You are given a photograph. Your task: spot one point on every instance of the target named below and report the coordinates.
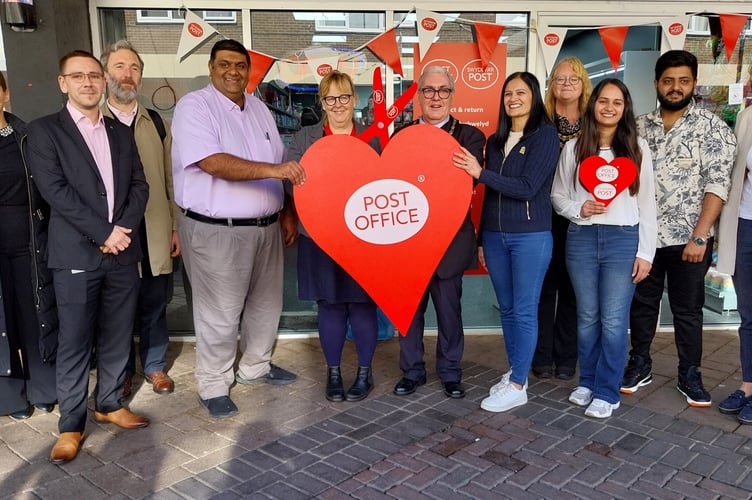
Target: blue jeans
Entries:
(743, 286)
(517, 264)
(600, 260)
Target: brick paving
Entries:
(288, 442)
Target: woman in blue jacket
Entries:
(515, 229)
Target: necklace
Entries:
(6, 130)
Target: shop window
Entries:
(178, 15)
(366, 22)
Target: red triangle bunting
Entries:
(260, 64)
(487, 38)
(731, 27)
(385, 48)
(613, 39)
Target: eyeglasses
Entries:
(79, 77)
(430, 92)
(330, 100)
(572, 80)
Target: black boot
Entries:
(335, 391)
(362, 385)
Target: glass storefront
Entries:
(289, 88)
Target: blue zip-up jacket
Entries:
(518, 196)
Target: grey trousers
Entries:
(236, 274)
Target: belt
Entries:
(227, 221)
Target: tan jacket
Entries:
(730, 215)
(161, 211)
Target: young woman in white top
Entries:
(609, 248)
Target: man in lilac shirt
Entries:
(87, 168)
(228, 172)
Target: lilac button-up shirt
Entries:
(95, 136)
(206, 123)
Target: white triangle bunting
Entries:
(195, 32)
(429, 24)
(675, 31)
(322, 66)
(550, 41)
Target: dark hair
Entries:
(625, 140)
(3, 83)
(78, 53)
(232, 46)
(537, 115)
(674, 59)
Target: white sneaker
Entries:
(501, 383)
(504, 399)
(601, 409)
(581, 396)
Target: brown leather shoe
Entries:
(66, 447)
(160, 382)
(128, 386)
(122, 418)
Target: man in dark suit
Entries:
(88, 169)
(435, 94)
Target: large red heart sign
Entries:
(387, 220)
(605, 180)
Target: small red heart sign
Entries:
(605, 180)
(387, 220)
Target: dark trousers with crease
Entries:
(101, 301)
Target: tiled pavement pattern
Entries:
(288, 442)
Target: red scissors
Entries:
(383, 117)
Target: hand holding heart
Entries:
(590, 208)
(605, 180)
(465, 160)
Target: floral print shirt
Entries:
(693, 158)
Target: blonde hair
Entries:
(587, 88)
(341, 80)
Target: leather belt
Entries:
(227, 221)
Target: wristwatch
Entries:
(699, 241)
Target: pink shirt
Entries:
(206, 123)
(125, 117)
(95, 136)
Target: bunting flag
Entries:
(260, 64)
(487, 37)
(731, 27)
(551, 40)
(429, 24)
(322, 66)
(675, 31)
(385, 48)
(613, 39)
(195, 32)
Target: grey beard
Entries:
(121, 95)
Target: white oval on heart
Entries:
(386, 211)
(607, 173)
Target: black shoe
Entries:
(454, 389)
(335, 391)
(22, 414)
(564, 373)
(690, 385)
(638, 373)
(408, 386)
(219, 407)
(542, 371)
(45, 407)
(362, 385)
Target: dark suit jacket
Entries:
(66, 175)
(462, 253)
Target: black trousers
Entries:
(30, 380)
(446, 295)
(557, 308)
(102, 301)
(685, 283)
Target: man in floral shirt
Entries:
(693, 153)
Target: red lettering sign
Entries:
(676, 29)
(551, 39)
(196, 30)
(324, 69)
(429, 24)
